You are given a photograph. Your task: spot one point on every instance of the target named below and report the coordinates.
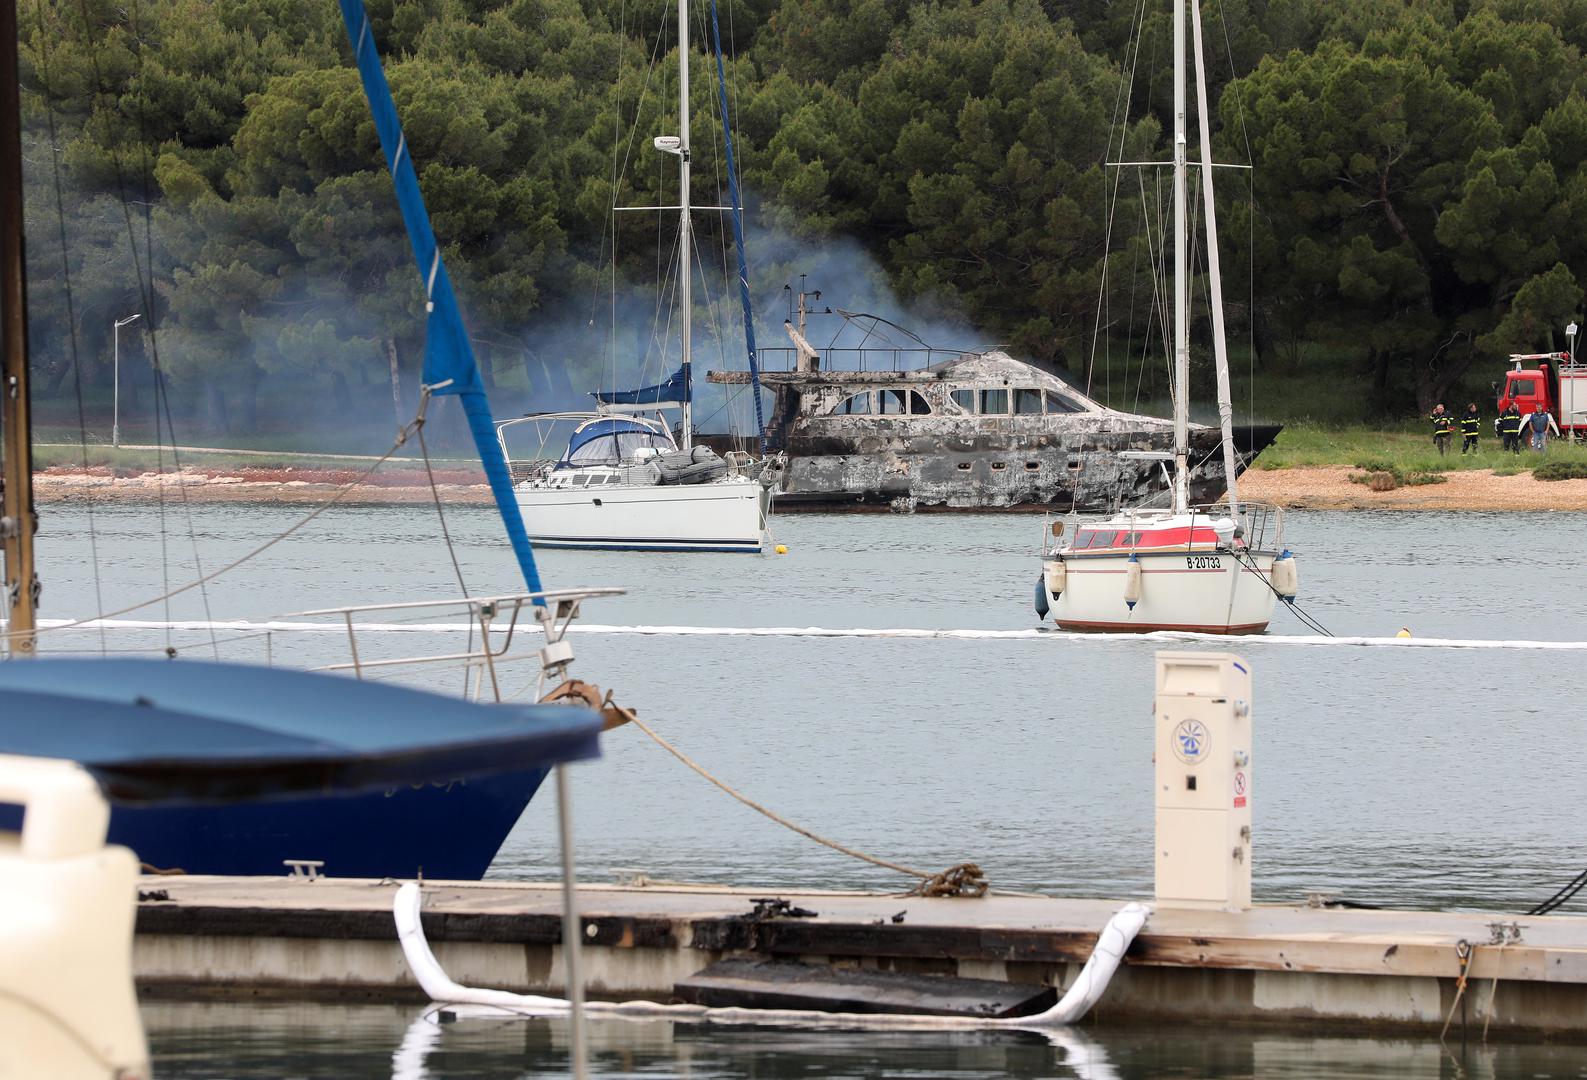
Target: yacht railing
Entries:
(497, 620)
(860, 359)
(531, 469)
(1261, 524)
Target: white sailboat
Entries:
(1211, 570)
(623, 482)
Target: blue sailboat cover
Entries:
(673, 389)
(449, 366)
(154, 731)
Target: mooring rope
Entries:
(964, 879)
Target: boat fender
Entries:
(1055, 572)
(1132, 582)
(1041, 599)
(1286, 578)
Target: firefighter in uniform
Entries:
(1510, 428)
(1443, 428)
(1468, 429)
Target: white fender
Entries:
(68, 1010)
(1132, 582)
(1055, 572)
(1286, 576)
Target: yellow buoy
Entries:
(1405, 631)
(781, 549)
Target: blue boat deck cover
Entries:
(163, 731)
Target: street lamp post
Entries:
(115, 420)
(1570, 339)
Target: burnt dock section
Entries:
(1322, 967)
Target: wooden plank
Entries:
(783, 984)
(802, 937)
(376, 924)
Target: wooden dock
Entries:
(1298, 966)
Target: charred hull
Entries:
(1053, 471)
(981, 431)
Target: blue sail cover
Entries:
(157, 731)
(671, 390)
(738, 234)
(449, 366)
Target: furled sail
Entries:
(449, 366)
(671, 390)
(738, 234)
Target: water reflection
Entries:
(210, 1041)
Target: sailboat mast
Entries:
(1181, 278)
(1220, 343)
(685, 227)
(17, 519)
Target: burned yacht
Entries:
(964, 430)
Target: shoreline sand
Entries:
(1292, 488)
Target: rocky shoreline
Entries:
(1293, 488)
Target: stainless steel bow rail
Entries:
(496, 618)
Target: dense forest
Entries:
(1416, 206)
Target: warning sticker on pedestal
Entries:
(1239, 790)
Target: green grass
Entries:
(1404, 451)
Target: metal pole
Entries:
(18, 521)
(685, 232)
(1220, 346)
(115, 421)
(572, 933)
(1181, 278)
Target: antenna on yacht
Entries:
(809, 358)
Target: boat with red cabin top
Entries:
(1214, 570)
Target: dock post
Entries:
(1202, 714)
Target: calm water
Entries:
(268, 1041)
(1421, 777)
(1418, 777)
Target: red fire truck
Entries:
(1554, 381)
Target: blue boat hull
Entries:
(448, 831)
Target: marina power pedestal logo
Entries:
(1191, 741)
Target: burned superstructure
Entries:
(964, 430)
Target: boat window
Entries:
(616, 448)
(1027, 401)
(892, 402)
(857, 405)
(917, 404)
(1132, 540)
(1060, 403)
(965, 399)
(994, 402)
